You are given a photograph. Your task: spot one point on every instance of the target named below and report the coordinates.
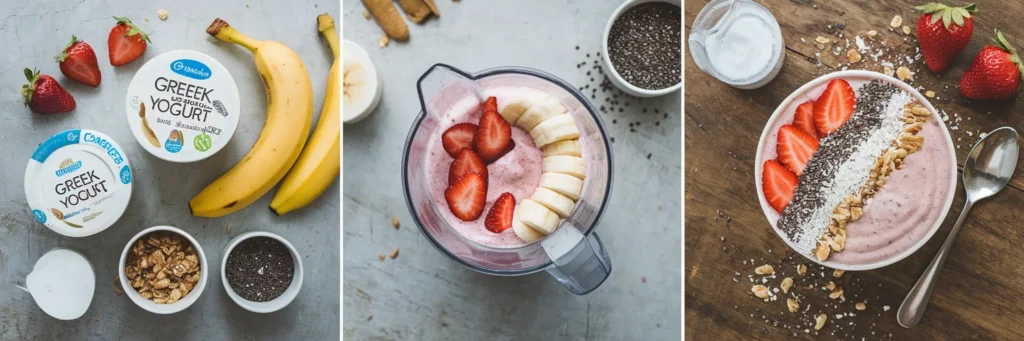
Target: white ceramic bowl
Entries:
(184, 302)
(272, 305)
(784, 113)
(614, 76)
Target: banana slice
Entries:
(563, 184)
(564, 147)
(558, 128)
(361, 89)
(540, 111)
(526, 233)
(565, 164)
(524, 99)
(537, 217)
(555, 202)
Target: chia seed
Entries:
(260, 269)
(644, 45)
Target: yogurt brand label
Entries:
(183, 106)
(78, 182)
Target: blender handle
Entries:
(584, 268)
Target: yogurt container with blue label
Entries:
(182, 106)
(78, 182)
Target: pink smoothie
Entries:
(909, 206)
(518, 172)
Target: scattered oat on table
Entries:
(394, 254)
(819, 321)
(904, 74)
(764, 270)
(860, 306)
(896, 21)
(792, 304)
(906, 29)
(930, 94)
(853, 55)
(382, 257)
(384, 41)
(162, 14)
(760, 291)
(117, 286)
(838, 273)
(366, 15)
(395, 223)
(786, 284)
(801, 269)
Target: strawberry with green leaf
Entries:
(44, 95)
(995, 73)
(126, 42)
(78, 61)
(943, 31)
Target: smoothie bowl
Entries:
(507, 171)
(855, 170)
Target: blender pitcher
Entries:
(573, 254)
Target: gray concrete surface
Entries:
(31, 33)
(423, 295)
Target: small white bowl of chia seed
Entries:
(261, 271)
(642, 47)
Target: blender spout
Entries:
(581, 266)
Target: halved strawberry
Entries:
(466, 162)
(795, 147)
(499, 218)
(466, 198)
(508, 149)
(458, 137)
(804, 118)
(491, 104)
(778, 185)
(492, 136)
(834, 107)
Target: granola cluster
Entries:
(852, 207)
(162, 267)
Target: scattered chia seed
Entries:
(613, 140)
(644, 45)
(260, 269)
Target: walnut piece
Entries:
(760, 291)
(786, 284)
(764, 270)
(792, 304)
(819, 321)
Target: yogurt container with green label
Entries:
(78, 182)
(182, 106)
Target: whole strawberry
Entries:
(995, 73)
(44, 95)
(78, 61)
(941, 40)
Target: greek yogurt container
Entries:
(78, 182)
(182, 106)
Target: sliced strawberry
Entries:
(795, 147)
(508, 149)
(491, 104)
(466, 198)
(458, 137)
(492, 137)
(834, 107)
(466, 162)
(778, 185)
(126, 42)
(499, 218)
(804, 118)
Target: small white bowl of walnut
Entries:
(163, 270)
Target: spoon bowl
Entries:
(990, 164)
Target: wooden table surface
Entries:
(979, 294)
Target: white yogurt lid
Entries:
(182, 106)
(62, 283)
(78, 182)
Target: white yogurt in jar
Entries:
(78, 182)
(182, 106)
(738, 42)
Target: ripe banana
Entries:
(320, 162)
(289, 116)
(536, 216)
(566, 147)
(523, 100)
(540, 111)
(565, 164)
(558, 128)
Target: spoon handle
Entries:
(913, 306)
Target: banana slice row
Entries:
(554, 131)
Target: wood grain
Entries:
(978, 295)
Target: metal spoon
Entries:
(987, 170)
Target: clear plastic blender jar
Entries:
(573, 254)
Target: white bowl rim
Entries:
(616, 78)
(175, 307)
(758, 165)
(278, 303)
